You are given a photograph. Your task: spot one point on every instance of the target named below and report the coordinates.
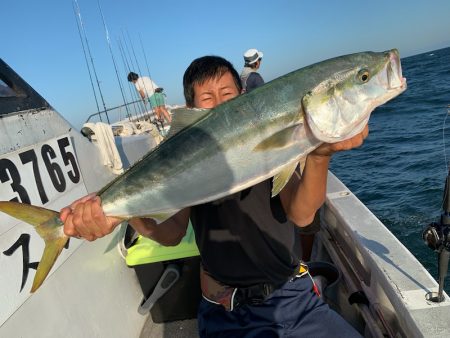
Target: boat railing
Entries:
(132, 111)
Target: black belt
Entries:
(230, 297)
(254, 295)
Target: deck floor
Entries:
(176, 329)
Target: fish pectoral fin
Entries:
(183, 117)
(281, 179)
(280, 139)
(51, 252)
(302, 164)
(118, 236)
(160, 217)
(48, 226)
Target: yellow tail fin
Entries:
(48, 226)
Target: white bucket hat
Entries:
(252, 55)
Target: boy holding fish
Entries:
(252, 280)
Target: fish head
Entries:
(339, 106)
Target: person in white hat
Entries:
(250, 78)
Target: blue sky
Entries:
(41, 42)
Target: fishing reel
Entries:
(437, 236)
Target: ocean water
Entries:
(399, 173)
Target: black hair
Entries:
(203, 69)
(132, 77)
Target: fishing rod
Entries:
(127, 69)
(152, 88)
(437, 236)
(86, 60)
(127, 48)
(91, 59)
(113, 59)
(148, 71)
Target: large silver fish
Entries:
(244, 141)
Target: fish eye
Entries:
(364, 75)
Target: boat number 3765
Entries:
(38, 172)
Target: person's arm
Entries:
(142, 94)
(302, 197)
(168, 233)
(139, 87)
(85, 218)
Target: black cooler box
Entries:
(169, 277)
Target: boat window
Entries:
(5, 90)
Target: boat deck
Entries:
(176, 329)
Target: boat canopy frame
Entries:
(15, 94)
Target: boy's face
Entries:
(215, 91)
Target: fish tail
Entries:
(51, 252)
(49, 226)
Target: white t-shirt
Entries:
(145, 84)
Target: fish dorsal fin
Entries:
(280, 139)
(184, 117)
(281, 179)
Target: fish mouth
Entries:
(395, 78)
(392, 79)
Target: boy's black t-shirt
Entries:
(245, 238)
